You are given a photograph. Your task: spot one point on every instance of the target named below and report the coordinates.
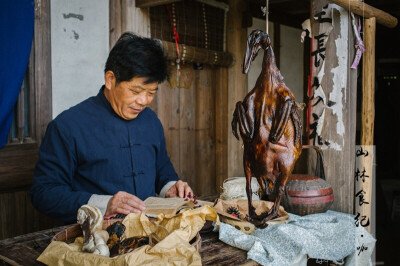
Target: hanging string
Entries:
(176, 37)
(266, 15)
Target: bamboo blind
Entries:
(201, 30)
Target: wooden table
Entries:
(25, 249)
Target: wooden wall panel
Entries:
(168, 112)
(135, 19)
(18, 216)
(205, 135)
(187, 129)
(17, 162)
(187, 112)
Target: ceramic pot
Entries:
(308, 194)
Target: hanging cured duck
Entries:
(270, 127)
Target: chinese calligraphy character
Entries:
(361, 152)
(361, 249)
(360, 194)
(363, 218)
(331, 103)
(314, 135)
(315, 85)
(320, 51)
(360, 175)
(318, 17)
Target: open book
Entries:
(168, 206)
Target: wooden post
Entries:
(367, 120)
(334, 118)
(43, 99)
(115, 21)
(237, 82)
(368, 83)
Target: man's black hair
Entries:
(134, 56)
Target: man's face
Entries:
(129, 98)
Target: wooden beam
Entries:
(368, 84)
(150, 3)
(43, 99)
(236, 37)
(367, 11)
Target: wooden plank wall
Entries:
(135, 19)
(18, 216)
(187, 112)
(339, 161)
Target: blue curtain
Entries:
(16, 33)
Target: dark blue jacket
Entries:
(89, 149)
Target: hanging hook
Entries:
(265, 11)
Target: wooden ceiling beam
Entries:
(151, 3)
(367, 11)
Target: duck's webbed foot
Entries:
(258, 220)
(272, 214)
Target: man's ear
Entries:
(109, 80)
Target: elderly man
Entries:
(109, 150)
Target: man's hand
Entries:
(125, 203)
(180, 189)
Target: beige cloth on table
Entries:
(174, 249)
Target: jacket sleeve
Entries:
(51, 191)
(165, 169)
